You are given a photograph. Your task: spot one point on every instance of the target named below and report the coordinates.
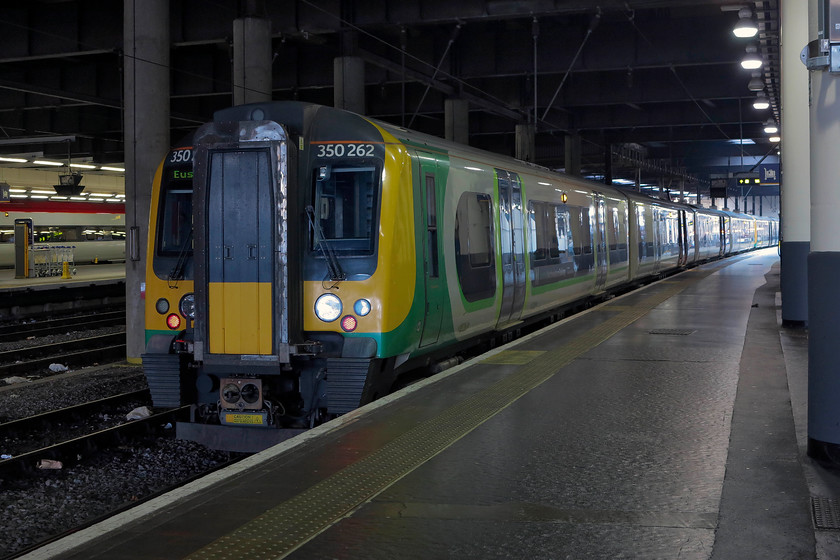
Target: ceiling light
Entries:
(36, 191)
(752, 61)
(761, 102)
(746, 27)
(83, 166)
(775, 139)
(14, 159)
(756, 82)
(45, 162)
(770, 127)
(118, 169)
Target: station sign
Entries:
(768, 173)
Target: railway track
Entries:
(81, 459)
(26, 434)
(21, 331)
(71, 353)
(71, 451)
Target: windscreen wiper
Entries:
(333, 267)
(177, 272)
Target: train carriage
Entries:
(301, 258)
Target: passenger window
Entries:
(474, 247)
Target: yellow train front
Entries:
(281, 274)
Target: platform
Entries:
(85, 274)
(657, 425)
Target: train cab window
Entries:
(174, 235)
(474, 247)
(345, 206)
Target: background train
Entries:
(95, 230)
(301, 258)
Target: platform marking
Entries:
(513, 357)
(288, 526)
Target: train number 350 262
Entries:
(345, 150)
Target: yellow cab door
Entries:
(240, 265)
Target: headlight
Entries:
(187, 306)
(162, 306)
(361, 307)
(328, 307)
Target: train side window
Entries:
(565, 240)
(543, 239)
(474, 246)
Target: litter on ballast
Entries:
(139, 413)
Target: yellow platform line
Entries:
(286, 527)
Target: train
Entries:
(94, 230)
(302, 259)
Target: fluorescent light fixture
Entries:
(752, 61)
(96, 199)
(105, 195)
(45, 162)
(58, 198)
(742, 141)
(775, 138)
(37, 191)
(761, 102)
(82, 166)
(17, 190)
(770, 127)
(746, 27)
(18, 196)
(113, 200)
(108, 168)
(77, 198)
(14, 159)
(39, 196)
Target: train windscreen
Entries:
(345, 207)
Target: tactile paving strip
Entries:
(286, 527)
(673, 332)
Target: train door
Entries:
(431, 262)
(512, 246)
(601, 256)
(240, 258)
(683, 238)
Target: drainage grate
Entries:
(826, 513)
(673, 332)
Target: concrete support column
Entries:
(146, 63)
(457, 120)
(526, 143)
(251, 60)
(349, 78)
(823, 267)
(572, 161)
(796, 166)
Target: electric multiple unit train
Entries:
(302, 258)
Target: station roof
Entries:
(656, 82)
